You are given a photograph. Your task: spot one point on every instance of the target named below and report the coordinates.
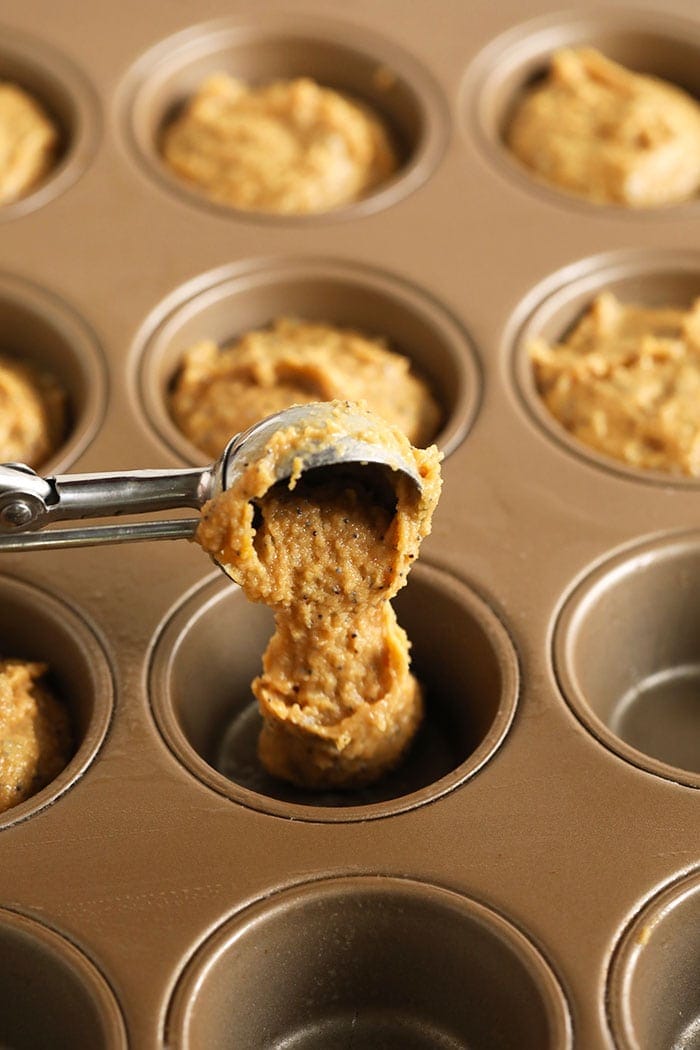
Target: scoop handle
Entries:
(29, 501)
(129, 492)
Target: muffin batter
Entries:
(326, 551)
(598, 130)
(220, 392)
(28, 142)
(35, 740)
(626, 381)
(32, 413)
(290, 147)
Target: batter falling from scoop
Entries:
(327, 551)
(318, 512)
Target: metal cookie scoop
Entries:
(29, 502)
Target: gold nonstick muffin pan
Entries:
(529, 877)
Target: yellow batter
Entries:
(598, 130)
(290, 147)
(220, 392)
(326, 552)
(32, 413)
(626, 381)
(28, 142)
(35, 743)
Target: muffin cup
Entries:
(554, 306)
(39, 329)
(654, 43)
(51, 994)
(276, 47)
(211, 649)
(69, 102)
(35, 625)
(627, 655)
(653, 992)
(228, 303)
(372, 962)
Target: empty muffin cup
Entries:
(68, 101)
(36, 626)
(368, 962)
(348, 59)
(654, 987)
(554, 307)
(211, 649)
(627, 655)
(228, 303)
(51, 994)
(41, 331)
(644, 41)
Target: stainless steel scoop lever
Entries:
(29, 502)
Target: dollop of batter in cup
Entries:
(35, 738)
(327, 550)
(28, 143)
(597, 130)
(290, 147)
(32, 413)
(626, 382)
(220, 392)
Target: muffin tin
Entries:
(529, 878)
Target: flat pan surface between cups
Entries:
(140, 861)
